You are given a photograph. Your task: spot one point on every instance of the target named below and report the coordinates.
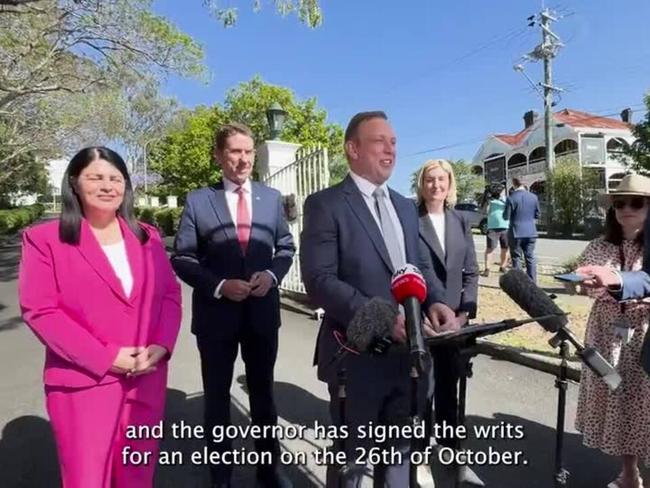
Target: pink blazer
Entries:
(74, 302)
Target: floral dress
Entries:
(616, 422)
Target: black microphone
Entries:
(410, 290)
(370, 329)
(532, 299)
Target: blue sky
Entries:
(442, 70)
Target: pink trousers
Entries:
(89, 427)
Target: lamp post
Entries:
(144, 158)
(275, 115)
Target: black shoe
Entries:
(221, 484)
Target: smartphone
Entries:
(571, 278)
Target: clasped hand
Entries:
(439, 318)
(136, 361)
(239, 290)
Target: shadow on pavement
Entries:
(587, 467)
(9, 258)
(295, 404)
(11, 323)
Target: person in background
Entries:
(97, 289)
(497, 230)
(617, 422)
(446, 237)
(522, 210)
(234, 247)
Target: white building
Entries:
(595, 141)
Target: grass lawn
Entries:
(495, 305)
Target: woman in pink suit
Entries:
(97, 289)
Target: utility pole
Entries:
(545, 52)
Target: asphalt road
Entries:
(548, 251)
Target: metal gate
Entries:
(309, 173)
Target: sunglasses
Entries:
(635, 203)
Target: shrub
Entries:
(16, 218)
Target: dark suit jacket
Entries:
(458, 268)
(206, 250)
(522, 209)
(344, 260)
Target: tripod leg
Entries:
(415, 420)
(561, 383)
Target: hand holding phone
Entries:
(571, 277)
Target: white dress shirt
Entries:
(116, 254)
(438, 221)
(367, 188)
(232, 200)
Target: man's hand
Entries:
(236, 290)
(261, 282)
(442, 318)
(599, 277)
(125, 359)
(147, 359)
(461, 319)
(399, 331)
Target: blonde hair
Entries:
(443, 164)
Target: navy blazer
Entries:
(522, 209)
(206, 251)
(457, 268)
(344, 260)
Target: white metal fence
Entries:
(309, 173)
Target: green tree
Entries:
(184, 158)
(468, 183)
(572, 194)
(640, 150)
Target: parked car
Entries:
(475, 216)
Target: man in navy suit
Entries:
(522, 209)
(234, 247)
(355, 234)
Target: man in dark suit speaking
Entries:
(355, 234)
(234, 247)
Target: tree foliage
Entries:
(640, 150)
(572, 195)
(184, 158)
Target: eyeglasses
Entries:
(635, 203)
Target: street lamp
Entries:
(146, 184)
(275, 116)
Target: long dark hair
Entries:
(614, 230)
(71, 211)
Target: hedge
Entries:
(165, 219)
(14, 219)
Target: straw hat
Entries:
(632, 185)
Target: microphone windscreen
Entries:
(374, 320)
(532, 299)
(407, 281)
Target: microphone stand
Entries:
(342, 396)
(593, 360)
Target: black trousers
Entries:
(259, 350)
(446, 375)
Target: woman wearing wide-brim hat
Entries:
(617, 422)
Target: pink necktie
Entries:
(243, 220)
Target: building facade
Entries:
(594, 141)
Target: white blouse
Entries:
(438, 221)
(116, 254)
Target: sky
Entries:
(442, 70)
